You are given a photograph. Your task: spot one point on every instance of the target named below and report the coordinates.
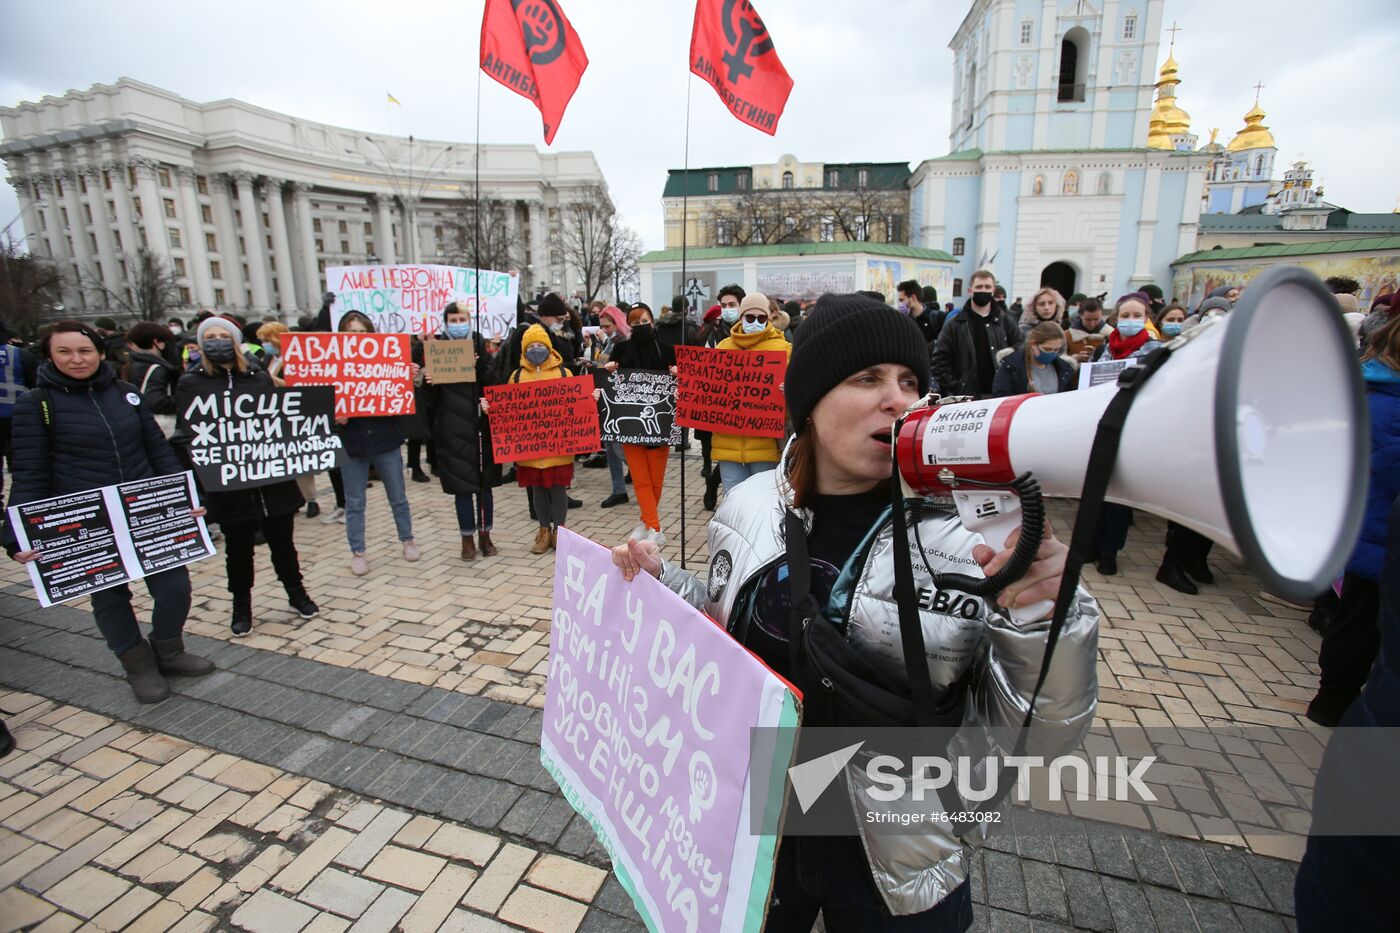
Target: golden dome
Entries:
(1255, 134)
(1167, 118)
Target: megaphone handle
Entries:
(995, 514)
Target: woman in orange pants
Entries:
(641, 350)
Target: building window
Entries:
(145, 243)
(164, 178)
(892, 232)
(345, 246)
(111, 208)
(724, 233)
(1038, 186)
(58, 186)
(265, 221)
(184, 295)
(210, 243)
(92, 240)
(320, 246)
(1071, 183)
(131, 176)
(169, 205)
(201, 184)
(216, 271)
(117, 235)
(1074, 61)
(206, 213)
(87, 213)
(316, 224)
(1130, 26)
(369, 229)
(790, 225)
(861, 229)
(174, 237)
(1105, 183)
(43, 221)
(833, 179)
(957, 288)
(63, 215)
(712, 182)
(106, 180)
(1027, 31)
(741, 181)
(826, 229)
(787, 179)
(218, 296)
(959, 246)
(345, 229)
(179, 266)
(269, 241)
(369, 248)
(862, 177)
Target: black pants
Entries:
(238, 556)
(1350, 644)
(338, 484)
(706, 437)
(415, 454)
(1186, 548)
(1112, 531)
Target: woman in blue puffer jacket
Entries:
(93, 432)
(1349, 645)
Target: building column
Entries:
(195, 248)
(102, 222)
(281, 247)
(539, 254)
(152, 211)
(90, 294)
(1147, 227)
(252, 242)
(53, 229)
(229, 253)
(28, 210)
(128, 241)
(413, 248)
(306, 241)
(384, 229)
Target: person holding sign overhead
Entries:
(82, 429)
(547, 478)
(242, 513)
(373, 442)
(856, 367)
(642, 350)
(739, 456)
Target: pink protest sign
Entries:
(648, 712)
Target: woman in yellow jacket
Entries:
(547, 478)
(739, 456)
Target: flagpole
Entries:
(685, 308)
(476, 159)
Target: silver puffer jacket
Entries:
(915, 872)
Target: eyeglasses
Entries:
(756, 318)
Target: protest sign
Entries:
(1104, 371)
(372, 373)
(731, 391)
(553, 418)
(638, 406)
(450, 361)
(255, 437)
(101, 538)
(647, 719)
(409, 298)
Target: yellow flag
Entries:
(392, 98)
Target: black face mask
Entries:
(219, 350)
(643, 332)
(981, 299)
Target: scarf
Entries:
(1121, 347)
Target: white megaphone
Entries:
(1231, 437)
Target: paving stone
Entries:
(126, 909)
(1234, 874)
(87, 891)
(1045, 892)
(1276, 878)
(438, 901)
(385, 913)
(501, 875)
(269, 912)
(1127, 904)
(1087, 904)
(20, 909)
(1111, 855)
(341, 893)
(404, 867)
(565, 876)
(539, 910)
(1170, 910)
(1005, 887)
(1193, 869)
(1213, 916)
(463, 844)
(597, 921)
(371, 839)
(313, 858)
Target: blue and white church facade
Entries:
(1051, 179)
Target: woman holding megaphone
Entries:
(826, 512)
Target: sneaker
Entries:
(418, 476)
(358, 565)
(313, 508)
(410, 551)
(336, 514)
(655, 536)
(301, 602)
(638, 532)
(617, 498)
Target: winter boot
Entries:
(143, 674)
(488, 549)
(553, 537)
(418, 476)
(7, 741)
(173, 659)
(468, 547)
(1171, 575)
(242, 621)
(1200, 570)
(301, 602)
(541, 545)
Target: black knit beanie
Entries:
(551, 305)
(840, 336)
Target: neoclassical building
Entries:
(249, 206)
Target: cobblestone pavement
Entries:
(408, 714)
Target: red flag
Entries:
(531, 48)
(730, 48)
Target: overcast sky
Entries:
(872, 79)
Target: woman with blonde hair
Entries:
(1038, 366)
(1046, 305)
(242, 513)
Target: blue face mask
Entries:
(1046, 357)
(755, 327)
(1130, 328)
(1171, 328)
(271, 349)
(458, 331)
(729, 315)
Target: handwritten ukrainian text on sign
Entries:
(258, 437)
(731, 391)
(409, 298)
(638, 406)
(551, 418)
(648, 711)
(101, 538)
(450, 361)
(372, 373)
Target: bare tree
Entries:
(499, 246)
(30, 288)
(153, 290)
(758, 218)
(626, 274)
(860, 212)
(588, 231)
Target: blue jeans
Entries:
(466, 511)
(732, 474)
(617, 467)
(170, 590)
(389, 466)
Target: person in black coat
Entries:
(466, 467)
(92, 432)
(242, 513)
(964, 357)
(1039, 366)
(150, 369)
